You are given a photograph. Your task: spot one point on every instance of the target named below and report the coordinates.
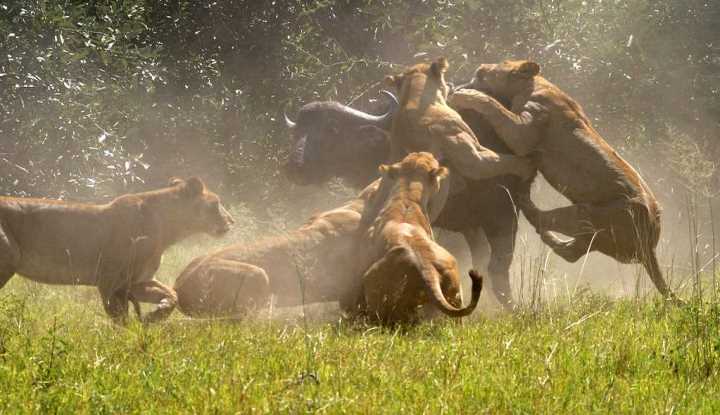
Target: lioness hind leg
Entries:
(575, 221)
(570, 250)
(384, 287)
(155, 292)
(379, 296)
(236, 288)
(632, 237)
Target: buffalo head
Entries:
(333, 140)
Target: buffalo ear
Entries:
(194, 187)
(528, 69)
(439, 67)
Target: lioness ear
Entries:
(528, 69)
(174, 181)
(439, 67)
(439, 173)
(195, 187)
(388, 171)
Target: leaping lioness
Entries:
(613, 211)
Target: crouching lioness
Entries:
(408, 268)
(308, 265)
(115, 246)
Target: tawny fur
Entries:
(613, 210)
(310, 264)
(327, 142)
(115, 246)
(424, 122)
(406, 268)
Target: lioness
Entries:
(308, 265)
(408, 268)
(613, 209)
(424, 122)
(115, 246)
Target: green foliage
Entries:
(101, 97)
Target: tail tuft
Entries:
(476, 278)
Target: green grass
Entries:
(59, 354)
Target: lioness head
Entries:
(503, 80)
(200, 208)
(417, 172)
(423, 78)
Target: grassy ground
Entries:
(58, 353)
(584, 353)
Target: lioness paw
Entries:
(537, 111)
(468, 98)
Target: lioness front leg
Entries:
(476, 162)
(519, 129)
(155, 292)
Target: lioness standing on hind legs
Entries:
(115, 247)
(613, 210)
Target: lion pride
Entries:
(613, 210)
(115, 247)
(407, 268)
